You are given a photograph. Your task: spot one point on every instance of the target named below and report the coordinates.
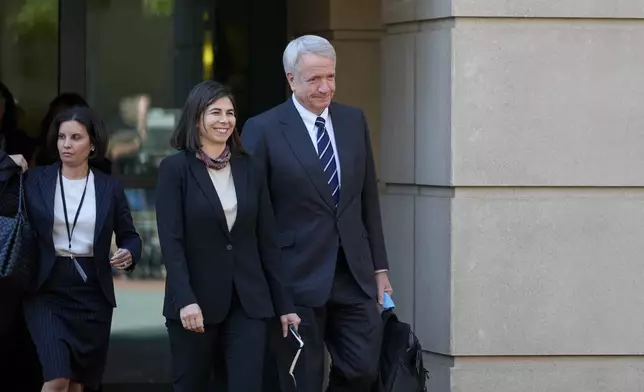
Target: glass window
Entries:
(138, 76)
(143, 58)
(28, 69)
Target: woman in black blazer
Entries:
(218, 238)
(74, 211)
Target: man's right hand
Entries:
(192, 318)
(20, 161)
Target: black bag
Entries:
(17, 244)
(401, 367)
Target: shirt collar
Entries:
(308, 116)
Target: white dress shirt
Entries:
(309, 122)
(83, 236)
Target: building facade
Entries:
(508, 137)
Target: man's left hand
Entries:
(382, 281)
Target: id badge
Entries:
(79, 269)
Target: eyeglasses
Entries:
(297, 337)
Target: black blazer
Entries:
(8, 167)
(310, 228)
(202, 257)
(9, 185)
(112, 216)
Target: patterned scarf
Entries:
(217, 163)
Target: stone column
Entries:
(514, 201)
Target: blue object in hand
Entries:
(387, 302)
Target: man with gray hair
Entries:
(321, 175)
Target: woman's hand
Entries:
(192, 318)
(20, 161)
(289, 319)
(122, 259)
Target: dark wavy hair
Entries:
(90, 120)
(10, 119)
(186, 134)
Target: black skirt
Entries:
(70, 320)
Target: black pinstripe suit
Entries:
(70, 319)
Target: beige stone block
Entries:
(554, 103)
(433, 104)
(355, 15)
(545, 8)
(433, 272)
(397, 136)
(408, 10)
(398, 11)
(547, 272)
(434, 9)
(358, 76)
(559, 374)
(398, 225)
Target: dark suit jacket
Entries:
(112, 216)
(8, 167)
(310, 228)
(202, 257)
(9, 185)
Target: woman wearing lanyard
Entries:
(75, 210)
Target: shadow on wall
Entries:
(139, 361)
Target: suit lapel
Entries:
(103, 194)
(200, 172)
(298, 138)
(239, 168)
(346, 152)
(48, 190)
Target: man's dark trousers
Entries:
(350, 326)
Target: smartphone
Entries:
(387, 302)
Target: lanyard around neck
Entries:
(70, 232)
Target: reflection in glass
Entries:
(28, 65)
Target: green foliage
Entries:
(35, 17)
(38, 18)
(158, 8)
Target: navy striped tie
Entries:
(327, 159)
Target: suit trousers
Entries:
(350, 326)
(232, 351)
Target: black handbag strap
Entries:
(22, 208)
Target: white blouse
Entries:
(83, 235)
(225, 187)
